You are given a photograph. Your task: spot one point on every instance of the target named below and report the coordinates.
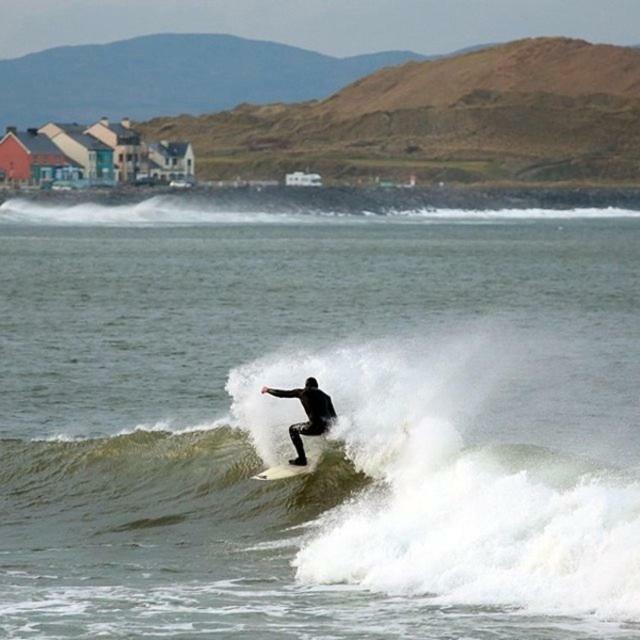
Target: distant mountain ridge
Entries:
(171, 74)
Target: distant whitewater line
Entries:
(172, 211)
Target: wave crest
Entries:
(516, 525)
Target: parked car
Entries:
(144, 180)
(181, 183)
(61, 185)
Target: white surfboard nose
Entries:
(281, 472)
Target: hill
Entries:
(171, 74)
(542, 109)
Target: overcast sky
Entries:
(337, 27)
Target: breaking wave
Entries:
(519, 526)
(176, 476)
(399, 504)
(156, 211)
(176, 211)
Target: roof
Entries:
(89, 142)
(38, 143)
(77, 132)
(176, 149)
(123, 133)
(71, 127)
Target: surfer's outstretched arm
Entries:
(282, 393)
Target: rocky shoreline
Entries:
(353, 200)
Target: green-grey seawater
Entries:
(483, 480)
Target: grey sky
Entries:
(337, 27)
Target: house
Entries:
(129, 153)
(171, 161)
(301, 179)
(30, 157)
(95, 157)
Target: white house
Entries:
(171, 161)
(301, 179)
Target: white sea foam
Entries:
(176, 211)
(162, 426)
(156, 211)
(516, 214)
(169, 426)
(458, 524)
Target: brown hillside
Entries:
(552, 65)
(546, 109)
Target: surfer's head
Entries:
(311, 383)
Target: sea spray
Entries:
(482, 526)
(472, 534)
(385, 392)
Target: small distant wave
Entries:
(173, 211)
(515, 214)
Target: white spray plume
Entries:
(460, 525)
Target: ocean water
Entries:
(483, 479)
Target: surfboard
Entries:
(283, 471)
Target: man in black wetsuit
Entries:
(319, 410)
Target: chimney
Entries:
(126, 123)
(12, 129)
(32, 131)
(105, 121)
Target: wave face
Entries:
(177, 474)
(511, 525)
(176, 211)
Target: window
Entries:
(121, 157)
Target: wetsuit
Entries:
(320, 412)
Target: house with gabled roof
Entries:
(95, 157)
(129, 152)
(30, 157)
(171, 161)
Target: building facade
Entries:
(129, 153)
(29, 157)
(95, 157)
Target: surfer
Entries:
(319, 409)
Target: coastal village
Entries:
(74, 156)
(68, 156)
